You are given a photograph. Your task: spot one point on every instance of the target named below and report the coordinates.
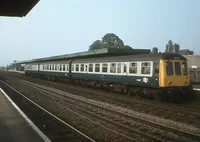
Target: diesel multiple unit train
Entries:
(161, 76)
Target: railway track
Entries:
(166, 111)
(55, 128)
(131, 124)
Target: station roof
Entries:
(16, 8)
(91, 53)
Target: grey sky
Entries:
(64, 26)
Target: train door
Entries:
(125, 68)
(86, 68)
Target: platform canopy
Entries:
(16, 8)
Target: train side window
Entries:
(169, 68)
(63, 67)
(67, 67)
(60, 67)
(90, 67)
(86, 68)
(82, 67)
(72, 69)
(77, 67)
(184, 68)
(177, 66)
(49, 67)
(146, 68)
(124, 68)
(133, 68)
(157, 69)
(112, 67)
(104, 67)
(53, 67)
(119, 67)
(97, 67)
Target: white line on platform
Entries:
(51, 114)
(42, 135)
(196, 89)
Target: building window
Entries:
(104, 67)
(133, 68)
(90, 67)
(97, 67)
(77, 67)
(146, 67)
(113, 68)
(82, 68)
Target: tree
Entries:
(96, 45)
(111, 40)
(128, 47)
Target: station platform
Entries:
(14, 125)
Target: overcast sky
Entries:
(56, 27)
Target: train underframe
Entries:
(171, 94)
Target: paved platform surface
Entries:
(13, 127)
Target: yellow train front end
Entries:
(174, 78)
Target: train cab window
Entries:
(113, 68)
(97, 67)
(169, 68)
(63, 67)
(146, 68)
(104, 67)
(184, 68)
(177, 66)
(77, 67)
(118, 67)
(90, 67)
(72, 69)
(53, 67)
(133, 68)
(82, 67)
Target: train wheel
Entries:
(157, 97)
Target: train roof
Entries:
(92, 53)
(16, 8)
(138, 57)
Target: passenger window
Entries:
(97, 67)
(124, 68)
(60, 67)
(77, 67)
(86, 68)
(177, 66)
(67, 67)
(133, 68)
(113, 68)
(63, 67)
(49, 67)
(90, 67)
(169, 68)
(184, 68)
(82, 67)
(104, 67)
(72, 67)
(52, 67)
(118, 67)
(146, 67)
